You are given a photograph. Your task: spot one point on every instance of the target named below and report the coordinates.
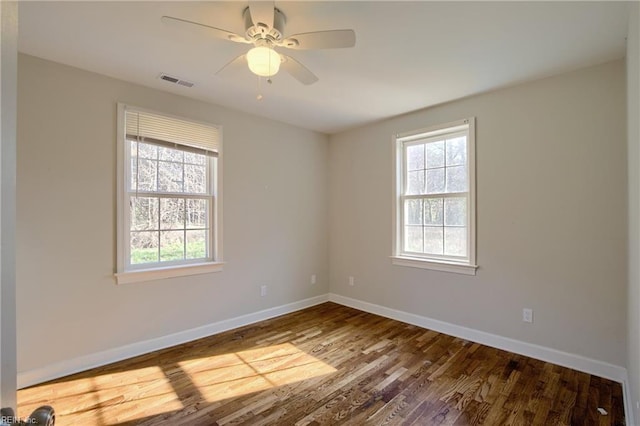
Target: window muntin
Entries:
(435, 198)
(169, 190)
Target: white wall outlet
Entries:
(352, 281)
(313, 279)
(263, 290)
(527, 315)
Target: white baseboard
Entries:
(628, 402)
(565, 359)
(86, 362)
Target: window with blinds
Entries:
(169, 191)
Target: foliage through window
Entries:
(435, 201)
(169, 203)
(169, 194)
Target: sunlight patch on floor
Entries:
(240, 373)
(89, 401)
(135, 394)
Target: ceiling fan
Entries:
(264, 25)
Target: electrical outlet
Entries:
(527, 315)
(263, 290)
(313, 279)
(352, 281)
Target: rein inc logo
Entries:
(44, 415)
(15, 420)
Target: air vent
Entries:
(175, 80)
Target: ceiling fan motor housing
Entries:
(262, 30)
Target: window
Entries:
(168, 196)
(434, 209)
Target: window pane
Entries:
(433, 240)
(170, 154)
(457, 151)
(144, 247)
(415, 183)
(197, 216)
(413, 239)
(435, 181)
(457, 179)
(455, 212)
(415, 157)
(191, 158)
(433, 211)
(171, 245)
(413, 212)
(171, 213)
(145, 173)
(147, 151)
(196, 244)
(144, 213)
(171, 178)
(435, 155)
(455, 241)
(195, 178)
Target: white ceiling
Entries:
(408, 55)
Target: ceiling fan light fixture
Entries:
(263, 61)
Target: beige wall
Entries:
(275, 219)
(8, 82)
(551, 211)
(633, 134)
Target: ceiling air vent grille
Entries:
(175, 80)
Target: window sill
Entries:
(413, 262)
(142, 275)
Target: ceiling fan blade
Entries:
(205, 30)
(331, 39)
(234, 63)
(297, 70)
(262, 13)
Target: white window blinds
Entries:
(163, 130)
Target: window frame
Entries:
(130, 273)
(457, 264)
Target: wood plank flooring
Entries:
(329, 365)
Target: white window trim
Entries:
(123, 276)
(445, 265)
(142, 275)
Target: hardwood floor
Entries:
(329, 365)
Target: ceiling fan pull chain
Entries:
(259, 97)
